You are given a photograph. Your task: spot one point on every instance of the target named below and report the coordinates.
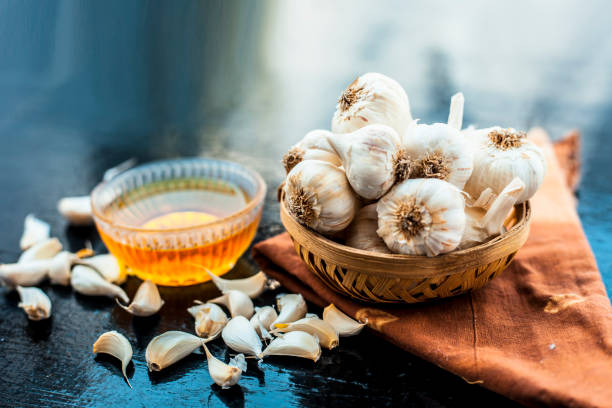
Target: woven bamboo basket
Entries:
(384, 278)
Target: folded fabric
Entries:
(540, 333)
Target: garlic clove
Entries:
(87, 281)
(295, 344)
(225, 375)
(325, 332)
(263, 318)
(314, 146)
(146, 302)
(116, 345)
(343, 324)
(59, 268)
(77, 210)
(108, 266)
(362, 231)
(238, 303)
(34, 231)
(35, 303)
(45, 249)
(170, 347)
(252, 286)
(455, 115)
(210, 320)
(24, 274)
(239, 335)
(291, 307)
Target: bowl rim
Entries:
(256, 200)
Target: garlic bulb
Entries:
(238, 303)
(87, 281)
(421, 217)
(500, 155)
(291, 307)
(45, 249)
(314, 146)
(225, 375)
(325, 332)
(146, 302)
(252, 286)
(170, 347)
(319, 196)
(362, 231)
(34, 231)
(210, 319)
(108, 266)
(370, 99)
(116, 345)
(295, 344)
(262, 320)
(77, 210)
(344, 325)
(239, 335)
(35, 303)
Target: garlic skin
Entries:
(77, 210)
(295, 344)
(210, 320)
(108, 266)
(362, 231)
(170, 347)
(370, 99)
(369, 157)
(500, 155)
(253, 286)
(45, 249)
(35, 303)
(319, 196)
(34, 231)
(239, 335)
(314, 146)
(225, 375)
(238, 303)
(116, 345)
(325, 332)
(421, 217)
(146, 302)
(87, 281)
(263, 318)
(343, 324)
(291, 307)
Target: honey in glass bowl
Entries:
(167, 221)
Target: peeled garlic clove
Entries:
(35, 303)
(263, 318)
(77, 210)
(295, 344)
(170, 347)
(421, 217)
(87, 281)
(343, 324)
(34, 231)
(210, 319)
(147, 300)
(225, 375)
(107, 265)
(24, 274)
(238, 303)
(362, 231)
(239, 335)
(372, 98)
(455, 116)
(59, 268)
(314, 146)
(45, 249)
(252, 286)
(291, 307)
(324, 331)
(319, 196)
(116, 345)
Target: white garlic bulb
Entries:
(500, 155)
(362, 231)
(421, 217)
(319, 196)
(314, 146)
(372, 98)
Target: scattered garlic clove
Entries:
(314, 146)
(116, 345)
(87, 281)
(108, 266)
(263, 318)
(291, 307)
(170, 347)
(455, 116)
(77, 210)
(252, 286)
(35, 303)
(24, 274)
(239, 335)
(210, 320)
(147, 300)
(45, 249)
(295, 344)
(238, 303)
(362, 231)
(34, 231)
(59, 268)
(344, 325)
(324, 331)
(225, 375)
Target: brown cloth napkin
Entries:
(540, 333)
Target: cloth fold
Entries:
(540, 333)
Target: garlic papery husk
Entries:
(45, 249)
(484, 223)
(362, 231)
(500, 155)
(170, 347)
(319, 196)
(370, 99)
(146, 302)
(421, 217)
(438, 151)
(369, 156)
(34, 231)
(291, 307)
(238, 303)
(455, 115)
(108, 266)
(263, 319)
(343, 324)
(77, 210)
(87, 281)
(35, 303)
(210, 319)
(225, 375)
(296, 344)
(116, 345)
(252, 286)
(239, 335)
(314, 146)
(59, 268)
(325, 332)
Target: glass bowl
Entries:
(168, 220)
